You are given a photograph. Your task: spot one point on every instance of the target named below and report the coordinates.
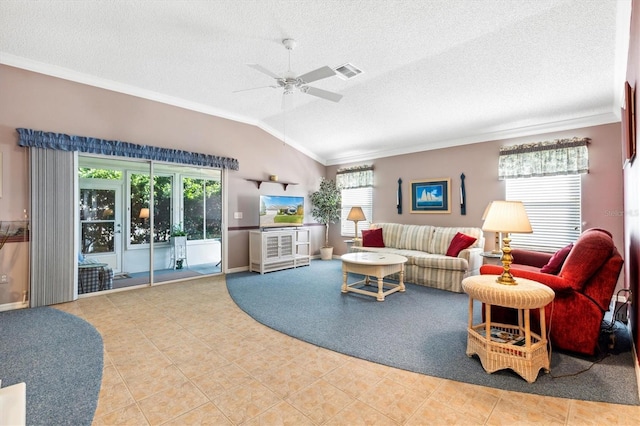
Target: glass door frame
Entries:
(146, 166)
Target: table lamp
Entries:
(507, 217)
(144, 213)
(356, 214)
(496, 247)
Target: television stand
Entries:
(274, 250)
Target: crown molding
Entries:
(489, 135)
(516, 132)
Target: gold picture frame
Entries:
(431, 195)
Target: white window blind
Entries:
(553, 204)
(362, 197)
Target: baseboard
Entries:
(13, 306)
(239, 269)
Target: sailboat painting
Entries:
(431, 196)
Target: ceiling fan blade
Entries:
(254, 88)
(318, 74)
(263, 70)
(324, 94)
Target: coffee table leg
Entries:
(344, 281)
(380, 289)
(401, 283)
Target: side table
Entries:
(491, 258)
(513, 346)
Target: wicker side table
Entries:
(513, 346)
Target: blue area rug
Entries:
(59, 357)
(422, 330)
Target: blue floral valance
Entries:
(60, 141)
(550, 158)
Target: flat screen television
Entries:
(278, 211)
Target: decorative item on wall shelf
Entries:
(628, 114)
(463, 196)
(13, 231)
(431, 196)
(399, 196)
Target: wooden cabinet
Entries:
(278, 249)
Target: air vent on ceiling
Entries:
(347, 71)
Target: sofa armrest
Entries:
(556, 283)
(473, 257)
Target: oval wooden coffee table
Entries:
(378, 265)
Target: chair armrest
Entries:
(556, 283)
(530, 257)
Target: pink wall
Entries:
(602, 201)
(46, 103)
(632, 182)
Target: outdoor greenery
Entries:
(202, 209)
(326, 204)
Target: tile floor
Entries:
(183, 353)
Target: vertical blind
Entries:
(53, 257)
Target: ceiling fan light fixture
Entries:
(289, 43)
(291, 82)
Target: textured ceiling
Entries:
(437, 73)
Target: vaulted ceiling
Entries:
(436, 73)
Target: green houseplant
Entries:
(326, 204)
(178, 231)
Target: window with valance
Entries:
(545, 176)
(550, 158)
(356, 185)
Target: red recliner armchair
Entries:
(584, 287)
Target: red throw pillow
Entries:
(460, 242)
(372, 238)
(554, 264)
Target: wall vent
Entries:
(347, 71)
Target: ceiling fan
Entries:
(290, 82)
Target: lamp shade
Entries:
(356, 214)
(507, 217)
(144, 213)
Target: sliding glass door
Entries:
(137, 217)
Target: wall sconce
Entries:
(506, 217)
(356, 214)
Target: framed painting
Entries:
(629, 122)
(431, 196)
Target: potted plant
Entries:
(326, 202)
